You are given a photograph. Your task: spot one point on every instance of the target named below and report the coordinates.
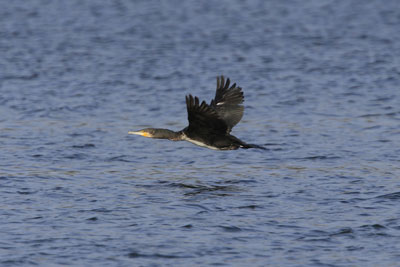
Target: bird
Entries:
(210, 125)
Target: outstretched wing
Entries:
(203, 118)
(227, 102)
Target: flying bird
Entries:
(210, 125)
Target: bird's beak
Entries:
(145, 134)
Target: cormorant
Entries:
(209, 124)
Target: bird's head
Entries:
(155, 133)
(148, 132)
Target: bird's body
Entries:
(209, 124)
(214, 141)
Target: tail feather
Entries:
(246, 146)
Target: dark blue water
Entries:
(322, 87)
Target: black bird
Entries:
(209, 124)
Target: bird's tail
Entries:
(246, 146)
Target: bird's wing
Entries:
(227, 102)
(202, 118)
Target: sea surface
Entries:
(321, 80)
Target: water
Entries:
(321, 82)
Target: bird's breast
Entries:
(199, 143)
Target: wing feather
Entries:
(227, 102)
(202, 118)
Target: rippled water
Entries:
(321, 81)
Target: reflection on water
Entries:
(321, 93)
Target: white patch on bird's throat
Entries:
(198, 143)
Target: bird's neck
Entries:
(170, 135)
